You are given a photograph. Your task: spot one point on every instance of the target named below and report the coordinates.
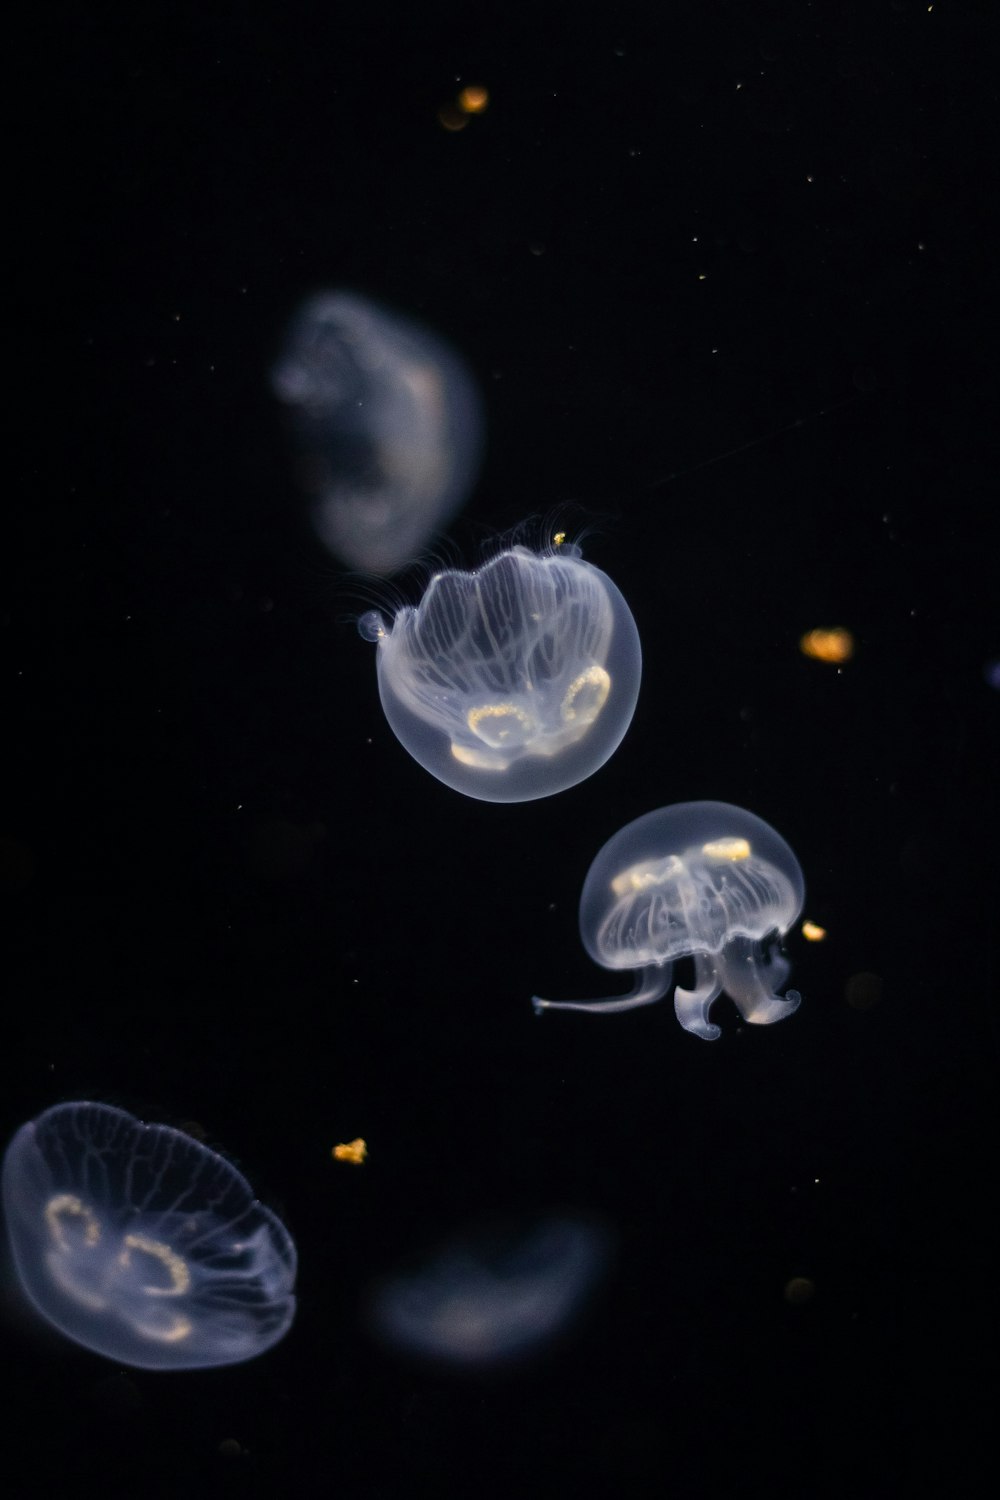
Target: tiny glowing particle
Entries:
(834, 645)
(813, 932)
(473, 99)
(353, 1151)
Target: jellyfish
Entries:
(388, 424)
(492, 1297)
(142, 1244)
(699, 880)
(514, 681)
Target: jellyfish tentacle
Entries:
(651, 984)
(692, 1006)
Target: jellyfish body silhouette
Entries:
(514, 681)
(699, 880)
(388, 426)
(141, 1244)
(489, 1299)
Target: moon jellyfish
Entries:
(514, 681)
(388, 425)
(492, 1298)
(142, 1244)
(699, 880)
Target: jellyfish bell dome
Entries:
(142, 1244)
(636, 906)
(513, 681)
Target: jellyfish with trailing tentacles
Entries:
(700, 880)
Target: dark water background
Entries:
(725, 274)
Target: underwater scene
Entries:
(501, 599)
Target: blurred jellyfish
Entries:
(495, 1297)
(142, 1244)
(388, 426)
(514, 681)
(704, 880)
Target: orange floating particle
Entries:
(834, 645)
(813, 932)
(473, 99)
(354, 1152)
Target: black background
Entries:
(724, 271)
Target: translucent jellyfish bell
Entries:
(490, 1298)
(388, 423)
(142, 1244)
(514, 681)
(703, 880)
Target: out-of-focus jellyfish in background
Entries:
(493, 1298)
(514, 681)
(699, 880)
(142, 1244)
(388, 426)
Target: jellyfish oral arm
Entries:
(651, 984)
(744, 970)
(750, 978)
(692, 1006)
